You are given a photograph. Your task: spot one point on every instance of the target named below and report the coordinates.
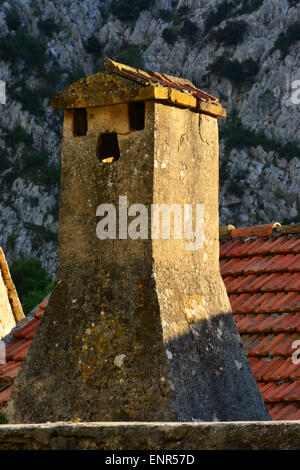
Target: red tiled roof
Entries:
(261, 271)
(260, 267)
(156, 78)
(16, 350)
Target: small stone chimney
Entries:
(139, 325)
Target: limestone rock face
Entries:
(259, 182)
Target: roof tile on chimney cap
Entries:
(256, 231)
(288, 229)
(224, 231)
(121, 83)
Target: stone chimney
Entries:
(139, 325)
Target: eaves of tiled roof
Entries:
(261, 270)
(260, 267)
(17, 344)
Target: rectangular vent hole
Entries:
(108, 147)
(137, 116)
(80, 124)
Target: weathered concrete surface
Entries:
(279, 435)
(137, 330)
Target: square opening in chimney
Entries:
(80, 124)
(136, 116)
(108, 147)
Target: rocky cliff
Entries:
(246, 52)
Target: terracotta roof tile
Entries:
(5, 396)
(17, 348)
(265, 303)
(260, 246)
(4, 368)
(278, 368)
(283, 411)
(228, 246)
(262, 278)
(258, 230)
(262, 283)
(260, 264)
(288, 391)
(269, 345)
(28, 330)
(12, 372)
(276, 410)
(44, 304)
(156, 78)
(17, 351)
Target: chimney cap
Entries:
(121, 83)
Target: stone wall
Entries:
(276, 435)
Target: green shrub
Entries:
(17, 135)
(215, 17)
(129, 11)
(11, 241)
(293, 3)
(51, 175)
(93, 46)
(33, 298)
(31, 281)
(183, 10)
(248, 6)
(10, 177)
(43, 233)
(3, 419)
(35, 166)
(235, 187)
(169, 36)
(35, 159)
(228, 9)
(22, 46)
(30, 100)
(48, 27)
(75, 74)
(33, 201)
(237, 136)
(278, 193)
(285, 40)
(237, 72)
(188, 30)
(129, 54)
(12, 19)
(4, 163)
(166, 15)
(232, 34)
(55, 211)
